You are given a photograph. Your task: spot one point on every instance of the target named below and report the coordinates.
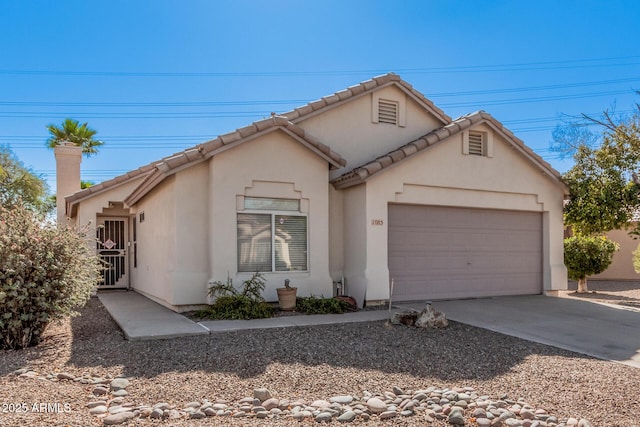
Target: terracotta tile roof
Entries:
(363, 172)
(73, 200)
(176, 162)
(360, 89)
(155, 172)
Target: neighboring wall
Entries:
(622, 266)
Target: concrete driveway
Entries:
(597, 330)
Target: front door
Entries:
(112, 240)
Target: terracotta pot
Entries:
(287, 298)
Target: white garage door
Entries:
(441, 252)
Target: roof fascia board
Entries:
(360, 174)
(72, 206)
(528, 154)
(145, 187)
(162, 171)
(402, 87)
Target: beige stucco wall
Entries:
(349, 130)
(87, 209)
(172, 241)
(442, 175)
(355, 243)
(621, 267)
(157, 243)
(192, 234)
(336, 233)
(273, 165)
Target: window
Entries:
(272, 237)
(387, 112)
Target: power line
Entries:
(302, 101)
(564, 64)
(266, 113)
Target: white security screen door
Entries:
(112, 240)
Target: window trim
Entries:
(273, 215)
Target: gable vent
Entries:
(387, 112)
(476, 144)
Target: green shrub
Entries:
(45, 273)
(588, 255)
(636, 259)
(316, 305)
(230, 303)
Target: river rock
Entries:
(119, 418)
(261, 394)
(376, 405)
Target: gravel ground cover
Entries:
(311, 363)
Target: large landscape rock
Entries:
(428, 318)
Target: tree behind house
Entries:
(604, 189)
(19, 184)
(78, 134)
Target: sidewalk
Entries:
(143, 319)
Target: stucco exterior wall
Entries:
(349, 130)
(621, 267)
(87, 209)
(191, 271)
(336, 233)
(355, 243)
(442, 175)
(157, 244)
(272, 166)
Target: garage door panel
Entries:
(442, 252)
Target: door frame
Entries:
(124, 267)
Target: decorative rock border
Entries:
(458, 406)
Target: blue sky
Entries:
(157, 76)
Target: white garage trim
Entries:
(440, 252)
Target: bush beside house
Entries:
(586, 256)
(45, 273)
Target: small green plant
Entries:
(320, 305)
(231, 303)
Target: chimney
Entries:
(68, 158)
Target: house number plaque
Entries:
(377, 222)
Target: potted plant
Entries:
(287, 296)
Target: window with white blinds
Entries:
(272, 241)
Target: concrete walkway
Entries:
(143, 319)
(603, 331)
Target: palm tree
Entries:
(72, 131)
